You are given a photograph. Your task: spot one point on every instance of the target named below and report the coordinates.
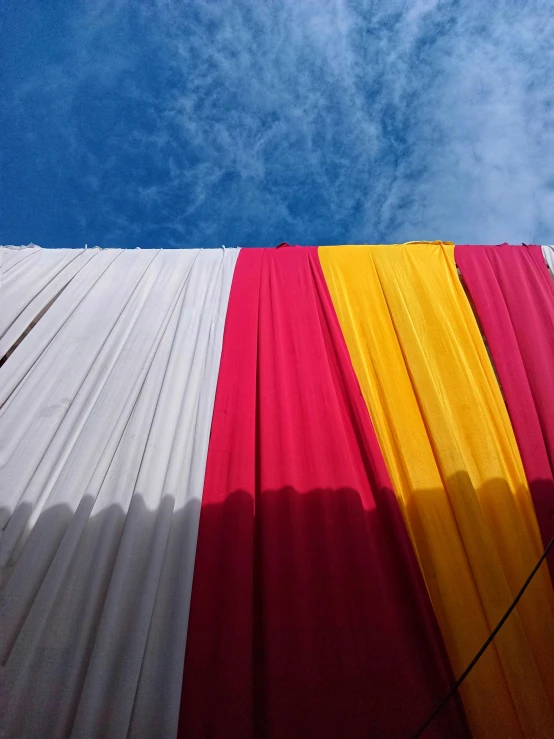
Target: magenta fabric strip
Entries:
(309, 616)
(514, 298)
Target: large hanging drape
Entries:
(447, 441)
(308, 616)
(513, 295)
(370, 499)
(105, 413)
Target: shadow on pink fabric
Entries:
(513, 296)
(309, 616)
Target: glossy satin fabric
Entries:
(514, 298)
(450, 450)
(309, 616)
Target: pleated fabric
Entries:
(450, 450)
(548, 254)
(105, 413)
(30, 279)
(309, 616)
(513, 296)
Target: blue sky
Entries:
(250, 122)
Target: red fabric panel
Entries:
(514, 298)
(309, 617)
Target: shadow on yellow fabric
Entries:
(451, 453)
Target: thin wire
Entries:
(479, 654)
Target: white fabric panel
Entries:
(105, 415)
(548, 252)
(30, 285)
(11, 255)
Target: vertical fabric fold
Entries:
(513, 296)
(450, 450)
(30, 279)
(104, 426)
(309, 616)
(548, 254)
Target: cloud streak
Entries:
(309, 121)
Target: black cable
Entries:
(479, 654)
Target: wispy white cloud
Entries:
(314, 121)
(480, 167)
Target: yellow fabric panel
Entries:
(451, 453)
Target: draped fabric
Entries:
(30, 278)
(105, 413)
(548, 253)
(309, 617)
(450, 450)
(360, 438)
(514, 298)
